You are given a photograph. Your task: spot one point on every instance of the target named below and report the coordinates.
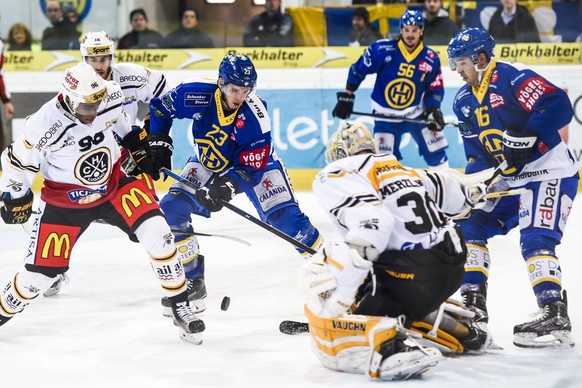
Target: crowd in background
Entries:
(511, 23)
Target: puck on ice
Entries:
(225, 303)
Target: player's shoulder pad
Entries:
(259, 111)
(114, 93)
(45, 125)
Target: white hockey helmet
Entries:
(82, 85)
(350, 139)
(97, 43)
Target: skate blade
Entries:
(559, 339)
(197, 307)
(193, 338)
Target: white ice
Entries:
(105, 328)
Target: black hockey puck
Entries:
(225, 303)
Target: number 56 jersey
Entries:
(77, 161)
(375, 200)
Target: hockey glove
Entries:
(475, 194)
(17, 210)
(161, 153)
(137, 145)
(518, 147)
(345, 105)
(221, 190)
(435, 116)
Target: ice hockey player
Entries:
(508, 112)
(138, 84)
(409, 84)
(232, 134)
(71, 142)
(400, 259)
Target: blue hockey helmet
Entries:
(412, 18)
(238, 70)
(469, 43)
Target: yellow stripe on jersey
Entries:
(222, 119)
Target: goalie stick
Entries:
(242, 213)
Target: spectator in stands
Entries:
(61, 35)
(189, 34)
(72, 16)
(4, 94)
(438, 27)
(20, 39)
(512, 23)
(271, 28)
(363, 33)
(140, 36)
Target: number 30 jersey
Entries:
(374, 199)
(77, 161)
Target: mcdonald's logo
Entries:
(61, 245)
(131, 200)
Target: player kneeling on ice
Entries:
(402, 258)
(71, 141)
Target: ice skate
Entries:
(550, 330)
(402, 362)
(196, 296)
(55, 288)
(190, 327)
(475, 299)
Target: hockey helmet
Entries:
(82, 85)
(238, 70)
(97, 43)
(412, 18)
(469, 43)
(351, 138)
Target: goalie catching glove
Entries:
(17, 210)
(330, 279)
(221, 190)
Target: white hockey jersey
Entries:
(138, 84)
(77, 161)
(374, 199)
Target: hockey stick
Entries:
(399, 118)
(191, 233)
(505, 193)
(232, 238)
(498, 170)
(242, 213)
(293, 327)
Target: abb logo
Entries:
(256, 159)
(530, 92)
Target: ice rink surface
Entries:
(105, 328)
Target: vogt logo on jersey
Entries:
(197, 99)
(530, 92)
(256, 159)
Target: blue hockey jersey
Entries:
(511, 95)
(237, 145)
(406, 85)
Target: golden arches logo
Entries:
(399, 94)
(133, 198)
(57, 242)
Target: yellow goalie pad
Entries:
(442, 337)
